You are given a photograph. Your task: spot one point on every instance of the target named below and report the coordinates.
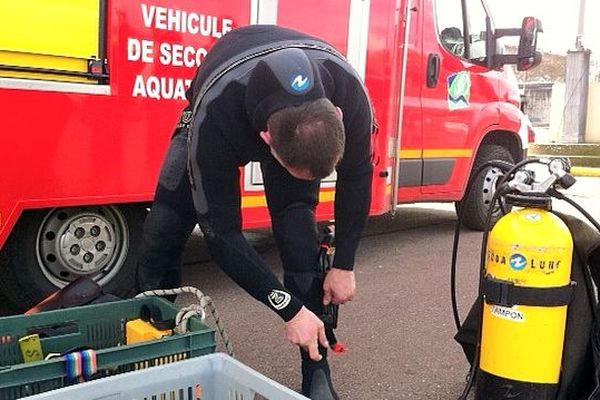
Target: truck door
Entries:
(454, 92)
(410, 152)
(60, 40)
(301, 16)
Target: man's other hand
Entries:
(307, 331)
(339, 286)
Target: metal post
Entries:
(577, 86)
(580, 26)
(576, 96)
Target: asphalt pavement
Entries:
(399, 328)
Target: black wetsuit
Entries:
(229, 102)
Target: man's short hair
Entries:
(309, 136)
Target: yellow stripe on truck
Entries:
(410, 153)
(261, 201)
(436, 153)
(447, 153)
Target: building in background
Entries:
(545, 97)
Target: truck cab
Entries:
(460, 109)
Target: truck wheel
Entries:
(477, 203)
(50, 248)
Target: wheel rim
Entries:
(490, 180)
(74, 242)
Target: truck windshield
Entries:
(463, 30)
(450, 25)
(477, 31)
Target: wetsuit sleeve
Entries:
(354, 173)
(222, 227)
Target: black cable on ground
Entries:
(561, 196)
(504, 166)
(595, 339)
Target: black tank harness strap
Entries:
(507, 294)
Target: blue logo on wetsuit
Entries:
(300, 83)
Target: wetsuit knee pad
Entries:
(178, 200)
(175, 164)
(296, 218)
(166, 227)
(166, 231)
(296, 234)
(307, 286)
(222, 226)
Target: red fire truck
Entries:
(91, 91)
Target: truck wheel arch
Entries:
(507, 139)
(502, 145)
(36, 259)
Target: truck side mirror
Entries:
(528, 56)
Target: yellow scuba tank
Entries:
(526, 288)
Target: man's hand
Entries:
(307, 330)
(339, 286)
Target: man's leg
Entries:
(169, 223)
(292, 205)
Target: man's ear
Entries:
(339, 112)
(266, 136)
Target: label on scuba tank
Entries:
(533, 217)
(517, 262)
(508, 313)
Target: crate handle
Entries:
(56, 329)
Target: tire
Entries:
(50, 248)
(476, 203)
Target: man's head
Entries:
(308, 139)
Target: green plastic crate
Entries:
(100, 327)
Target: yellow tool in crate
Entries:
(149, 326)
(31, 348)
